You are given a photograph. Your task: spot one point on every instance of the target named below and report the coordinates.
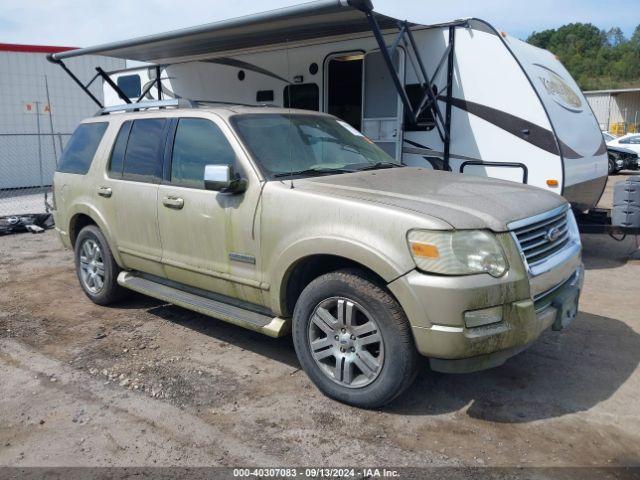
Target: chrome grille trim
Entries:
(539, 253)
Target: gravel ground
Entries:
(145, 383)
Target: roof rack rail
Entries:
(133, 107)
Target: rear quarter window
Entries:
(83, 144)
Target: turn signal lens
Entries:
(552, 182)
(425, 250)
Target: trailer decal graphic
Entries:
(559, 90)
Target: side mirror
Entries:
(222, 178)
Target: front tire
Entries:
(353, 339)
(96, 268)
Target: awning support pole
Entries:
(77, 80)
(146, 90)
(159, 82)
(428, 92)
(375, 28)
(447, 124)
(112, 84)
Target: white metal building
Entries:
(26, 109)
(616, 107)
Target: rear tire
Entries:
(612, 166)
(96, 268)
(353, 339)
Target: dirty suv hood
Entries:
(463, 201)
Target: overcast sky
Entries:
(82, 23)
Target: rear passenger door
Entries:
(129, 193)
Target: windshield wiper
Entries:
(379, 165)
(309, 171)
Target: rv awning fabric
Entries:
(324, 18)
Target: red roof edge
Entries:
(13, 47)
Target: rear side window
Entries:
(198, 142)
(143, 155)
(82, 147)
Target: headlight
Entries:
(461, 252)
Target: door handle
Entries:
(173, 202)
(105, 192)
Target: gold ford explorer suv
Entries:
(283, 220)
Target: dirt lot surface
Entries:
(144, 383)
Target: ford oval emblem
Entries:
(553, 234)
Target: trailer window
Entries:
(82, 147)
(143, 157)
(304, 95)
(130, 85)
(264, 96)
(425, 121)
(198, 143)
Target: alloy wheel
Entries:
(345, 342)
(91, 266)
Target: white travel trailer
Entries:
(459, 96)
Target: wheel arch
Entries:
(83, 215)
(306, 260)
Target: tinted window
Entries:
(305, 96)
(198, 142)
(143, 158)
(635, 140)
(130, 85)
(264, 96)
(117, 154)
(82, 146)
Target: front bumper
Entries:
(435, 306)
(526, 321)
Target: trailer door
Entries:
(382, 108)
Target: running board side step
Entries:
(271, 326)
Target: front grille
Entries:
(536, 243)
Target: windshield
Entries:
(307, 145)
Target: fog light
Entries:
(486, 316)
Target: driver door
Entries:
(206, 235)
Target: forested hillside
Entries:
(597, 59)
